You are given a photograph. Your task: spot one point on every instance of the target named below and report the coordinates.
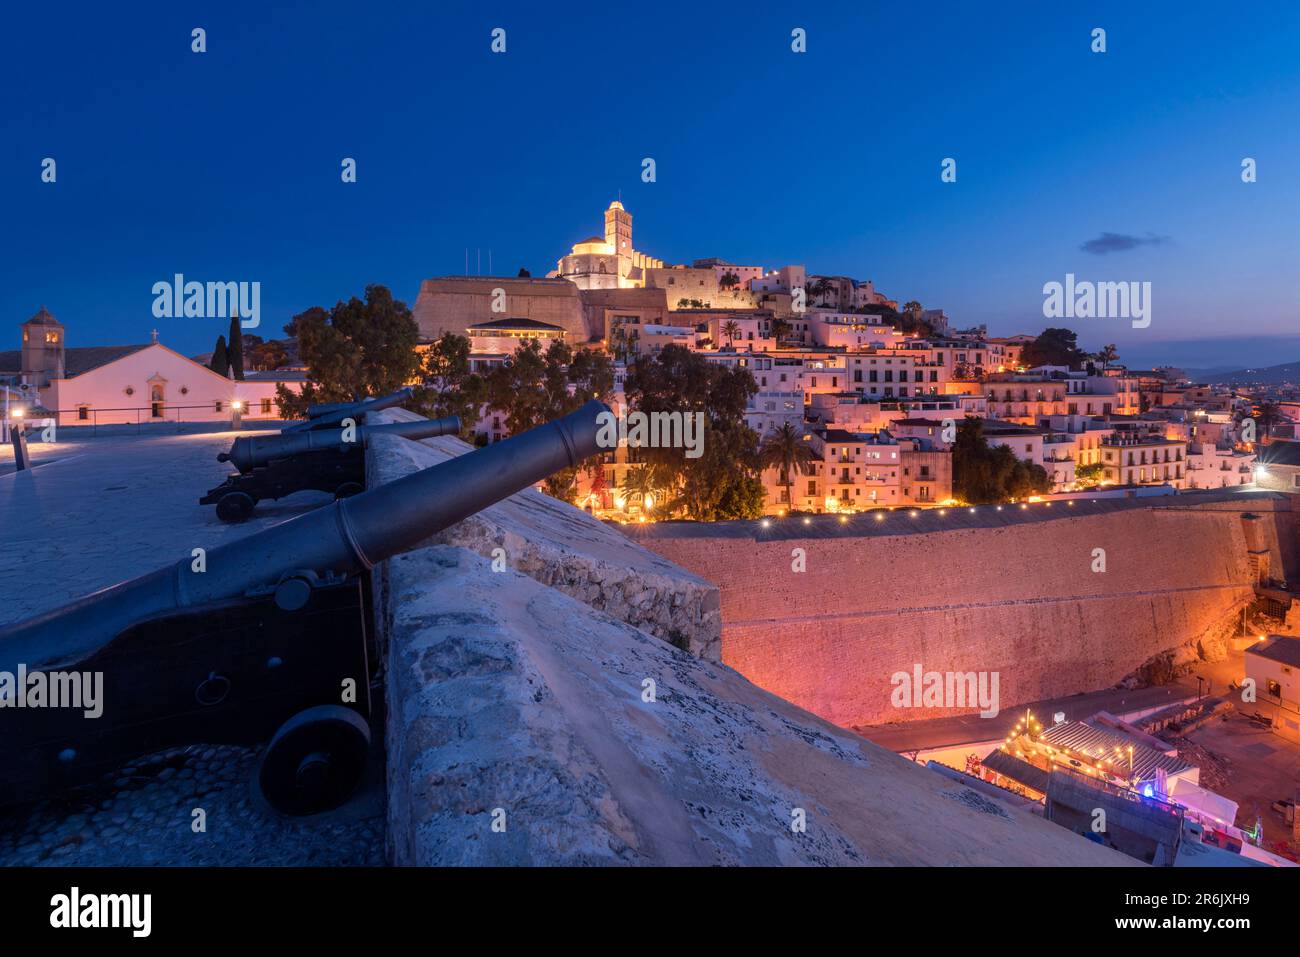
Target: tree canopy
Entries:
(985, 475)
(1054, 347)
(354, 350)
(722, 482)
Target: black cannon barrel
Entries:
(332, 418)
(250, 451)
(348, 536)
(316, 411)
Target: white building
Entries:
(103, 385)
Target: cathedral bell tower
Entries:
(618, 233)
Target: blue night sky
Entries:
(225, 166)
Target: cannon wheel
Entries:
(315, 760)
(235, 506)
(348, 489)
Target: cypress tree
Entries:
(220, 361)
(236, 348)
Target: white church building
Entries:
(104, 385)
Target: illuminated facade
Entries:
(609, 263)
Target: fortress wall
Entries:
(1021, 600)
(454, 303)
(565, 548)
(512, 701)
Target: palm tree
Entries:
(820, 287)
(731, 329)
(729, 280)
(639, 483)
(913, 307)
(1268, 414)
(1107, 355)
(788, 451)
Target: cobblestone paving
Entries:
(144, 815)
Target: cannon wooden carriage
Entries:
(327, 460)
(259, 642)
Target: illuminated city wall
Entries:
(1021, 600)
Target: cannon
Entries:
(260, 639)
(330, 416)
(328, 460)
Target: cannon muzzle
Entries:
(349, 536)
(340, 411)
(250, 451)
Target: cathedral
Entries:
(609, 263)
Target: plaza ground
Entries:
(94, 510)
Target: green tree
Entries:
(220, 361)
(1089, 476)
(790, 453)
(354, 350)
(638, 484)
(744, 498)
(731, 329)
(1107, 355)
(1268, 414)
(678, 380)
(729, 280)
(236, 348)
(1054, 347)
(450, 388)
(264, 355)
(984, 474)
(818, 288)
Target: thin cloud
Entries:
(1120, 242)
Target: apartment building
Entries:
(1136, 458)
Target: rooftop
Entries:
(530, 325)
(1280, 453)
(75, 361)
(1094, 739)
(1283, 648)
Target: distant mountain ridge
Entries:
(1273, 375)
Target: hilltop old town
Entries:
(751, 407)
(822, 393)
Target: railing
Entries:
(169, 415)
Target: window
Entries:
(266, 406)
(83, 413)
(218, 406)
